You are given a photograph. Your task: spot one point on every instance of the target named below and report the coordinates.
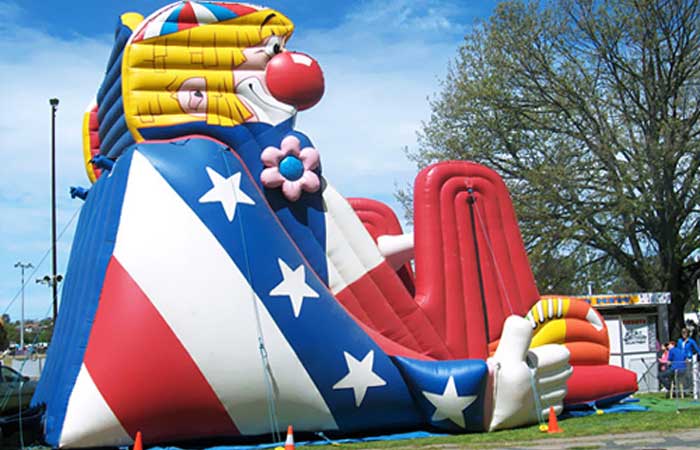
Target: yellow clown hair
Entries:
(154, 70)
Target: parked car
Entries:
(14, 385)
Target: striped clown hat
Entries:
(189, 14)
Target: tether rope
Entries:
(41, 261)
(5, 400)
(499, 276)
(267, 370)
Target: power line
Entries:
(41, 261)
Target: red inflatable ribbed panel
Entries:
(457, 275)
(599, 383)
(94, 130)
(382, 303)
(379, 219)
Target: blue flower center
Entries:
(291, 168)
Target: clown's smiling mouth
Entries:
(265, 107)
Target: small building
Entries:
(637, 324)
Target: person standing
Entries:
(688, 345)
(689, 348)
(663, 364)
(675, 362)
(663, 359)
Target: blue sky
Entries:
(381, 61)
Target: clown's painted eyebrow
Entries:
(267, 19)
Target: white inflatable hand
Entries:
(513, 368)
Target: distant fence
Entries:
(649, 381)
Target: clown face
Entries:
(274, 83)
(222, 63)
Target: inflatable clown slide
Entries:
(219, 286)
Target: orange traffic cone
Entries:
(553, 424)
(289, 443)
(138, 445)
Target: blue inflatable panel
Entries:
(90, 254)
(304, 219)
(458, 382)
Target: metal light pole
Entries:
(54, 287)
(22, 266)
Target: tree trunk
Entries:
(676, 321)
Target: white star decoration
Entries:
(449, 405)
(227, 191)
(294, 285)
(360, 376)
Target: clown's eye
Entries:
(274, 46)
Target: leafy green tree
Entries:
(4, 341)
(46, 333)
(589, 110)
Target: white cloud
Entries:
(401, 16)
(35, 67)
(380, 64)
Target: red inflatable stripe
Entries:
(587, 353)
(595, 383)
(94, 128)
(143, 371)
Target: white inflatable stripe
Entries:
(148, 20)
(560, 307)
(209, 305)
(159, 18)
(540, 311)
(594, 319)
(203, 15)
(350, 250)
(550, 308)
(531, 319)
(89, 420)
(154, 27)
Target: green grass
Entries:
(667, 419)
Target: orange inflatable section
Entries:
(572, 322)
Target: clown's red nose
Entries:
(295, 79)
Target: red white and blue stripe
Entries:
(181, 267)
(176, 329)
(189, 14)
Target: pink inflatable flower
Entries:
(291, 167)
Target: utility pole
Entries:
(54, 287)
(22, 266)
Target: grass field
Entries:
(664, 415)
